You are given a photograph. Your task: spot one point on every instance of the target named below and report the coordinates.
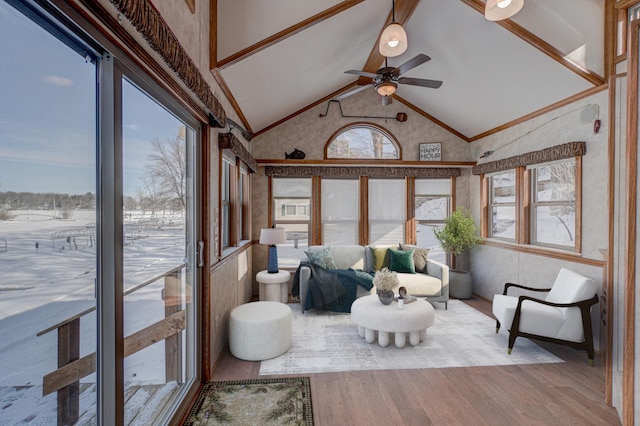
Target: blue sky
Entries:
(47, 115)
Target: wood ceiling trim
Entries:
(287, 32)
(548, 108)
(300, 111)
(540, 44)
(403, 10)
(232, 100)
(192, 5)
(432, 118)
(213, 34)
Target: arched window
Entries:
(363, 140)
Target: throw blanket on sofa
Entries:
(331, 289)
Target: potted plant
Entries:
(385, 281)
(458, 234)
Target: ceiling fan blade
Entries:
(362, 73)
(411, 63)
(434, 84)
(352, 92)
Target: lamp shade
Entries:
(393, 40)
(272, 236)
(497, 10)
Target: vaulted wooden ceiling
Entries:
(276, 58)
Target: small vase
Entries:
(385, 296)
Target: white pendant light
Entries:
(393, 40)
(497, 10)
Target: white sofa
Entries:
(434, 285)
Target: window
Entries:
(502, 205)
(291, 200)
(432, 206)
(243, 201)
(387, 211)
(340, 218)
(536, 203)
(553, 204)
(225, 195)
(363, 141)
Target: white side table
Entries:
(274, 287)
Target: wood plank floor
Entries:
(569, 393)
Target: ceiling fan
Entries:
(386, 79)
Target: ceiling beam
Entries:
(227, 92)
(404, 9)
(287, 32)
(308, 107)
(540, 44)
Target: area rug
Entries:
(254, 402)
(460, 337)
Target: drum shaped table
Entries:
(373, 318)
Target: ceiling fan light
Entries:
(387, 88)
(497, 10)
(393, 40)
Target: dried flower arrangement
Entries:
(386, 280)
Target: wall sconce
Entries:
(271, 237)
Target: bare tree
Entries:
(150, 194)
(167, 168)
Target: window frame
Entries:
(534, 203)
(491, 204)
(234, 198)
(525, 211)
(274, 206)
(450, 201)
(359, 215)
(361, 125)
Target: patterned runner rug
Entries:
(254, 402)
(460, 337)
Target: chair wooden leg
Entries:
(588, 332)
(512, 340)
(497, 326)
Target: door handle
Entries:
(200, 254)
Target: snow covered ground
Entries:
(48, 283)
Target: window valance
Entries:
(401, 172)
(231, 142)
(146, 19)
(558, 152)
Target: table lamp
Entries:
(272, 236)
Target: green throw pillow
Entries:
(402, 261)
(323, 258)
(380, 257)
(419, 256)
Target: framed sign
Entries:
(431, 151)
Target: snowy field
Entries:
(41, 286)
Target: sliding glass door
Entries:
(98, 231)
(158, 225)
(47, 221)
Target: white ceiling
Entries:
(491, 76)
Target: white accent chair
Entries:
(562, 317)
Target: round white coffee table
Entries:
(372, 317)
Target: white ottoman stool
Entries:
(260, 330)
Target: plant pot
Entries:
(460, 284)
(386, 297)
